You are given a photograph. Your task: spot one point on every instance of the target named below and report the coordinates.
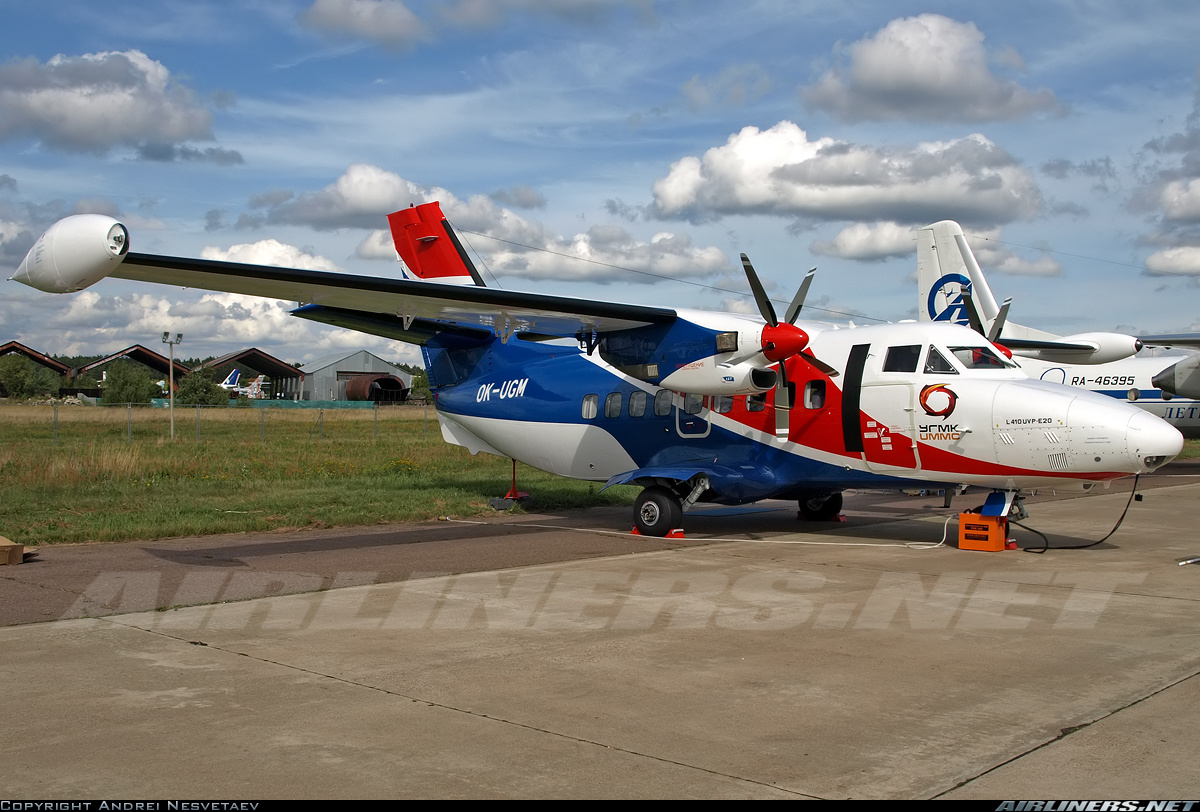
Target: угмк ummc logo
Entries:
(938, 400)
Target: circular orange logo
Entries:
(938, 400)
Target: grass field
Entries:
(250, 470)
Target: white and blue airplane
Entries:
(691, 405)
(951, 288)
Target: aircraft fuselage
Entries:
(896, 415)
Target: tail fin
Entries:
(430, 248)
(946, 271)
(231, 379)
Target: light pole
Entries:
(171, 374)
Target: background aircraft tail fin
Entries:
(430, 248)
(946, 271)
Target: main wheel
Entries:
(657, 512)
(821, 508)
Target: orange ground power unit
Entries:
(985, 533)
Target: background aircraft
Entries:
(230, 384)
(951, 287)
(232, 381)
(691, 405)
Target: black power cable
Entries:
(1046, 542)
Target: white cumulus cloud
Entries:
(269, 252)
(1182, 260)
(95, 102)
(924, 67)
(781, 171)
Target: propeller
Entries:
(992, 334)
(998, 323)
(782, 340)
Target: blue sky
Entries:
(660, 137)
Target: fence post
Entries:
(321, 424)
(55, 424)
(197, 422)
(129, 422)
(376, 420)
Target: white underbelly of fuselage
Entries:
(573, 450)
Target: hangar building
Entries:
(358, 375)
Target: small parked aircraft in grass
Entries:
(691, 405)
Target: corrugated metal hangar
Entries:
(358, 375)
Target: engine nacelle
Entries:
(1181, 378)
(706, 377)
(1107, 347)
(74, 253)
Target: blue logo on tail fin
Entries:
(955, 311)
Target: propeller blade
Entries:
(798, 300)
(998, 324)
(783, 394)
(819, 364)
(760, 296)
(972, 313)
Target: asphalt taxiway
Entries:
(557, 656)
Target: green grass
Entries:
(1191, 450)
(96, 485)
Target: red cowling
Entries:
(783, 341)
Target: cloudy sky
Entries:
(610, 149)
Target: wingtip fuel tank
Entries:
(74, 253)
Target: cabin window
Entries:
(936, 363)
(978, 358)
(637, 404)
(590, 404)
(612, 404)
(723, 404)
(662, 402)
(902, 359)
(756, 403)
(692, 404)
(814, 395)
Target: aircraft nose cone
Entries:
(1152, 442)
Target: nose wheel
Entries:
(657, 512)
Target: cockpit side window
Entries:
(902, 359)
(936, 363)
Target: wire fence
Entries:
(134, 423)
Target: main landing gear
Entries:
(657, 512)
(659, 509)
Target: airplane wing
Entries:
(1171, 340)
(397, 308)
(724, 354)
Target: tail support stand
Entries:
(513, 497)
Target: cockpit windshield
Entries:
(981, 358)
(971, 358)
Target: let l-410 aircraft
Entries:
(691, 405)
(951, 287)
